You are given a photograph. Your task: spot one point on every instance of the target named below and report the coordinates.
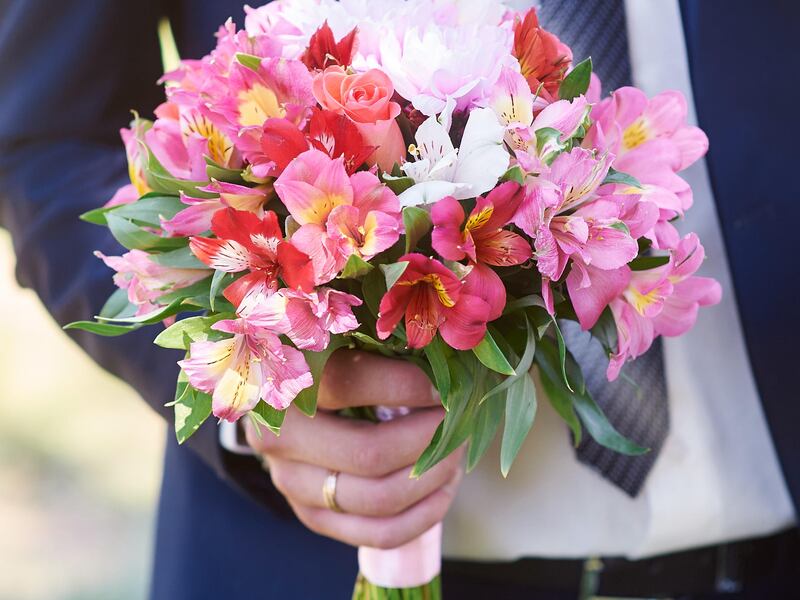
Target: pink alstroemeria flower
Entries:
(280, 89)
(661, 301)
(482, 239)
(339, 215)
(515, 106)
(593, 233)
(243, 369)
(246, 243)
(145, 280)
(432, 299)
(629, 122)
(196, 219)
(308, 319)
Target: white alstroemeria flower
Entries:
(441, 170)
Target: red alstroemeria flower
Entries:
(543, 58)
(324, 51)
(433, 299)
(245, 242)
(328, 132)
(482, 238)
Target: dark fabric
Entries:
(749, 570)
(636, 403)
(746, 98)
(593, 28)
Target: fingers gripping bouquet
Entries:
(367, 175)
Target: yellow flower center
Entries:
(258, 104)
(635, 134)
(479, 220)
(641, 301)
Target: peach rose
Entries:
(366, 98)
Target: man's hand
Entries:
(383, 507)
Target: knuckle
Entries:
(368, 458)
(381, 500)
(386, 537)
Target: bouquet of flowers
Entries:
(367, 175)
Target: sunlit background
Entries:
(80, 463)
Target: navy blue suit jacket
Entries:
(70, 72)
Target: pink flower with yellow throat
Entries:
(432, 298)
(339, 215)
(251, 365)
(482, 239)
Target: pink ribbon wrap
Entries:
(410, 565)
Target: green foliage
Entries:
(577, 81)
(182, 258)
(192, 408)
(133, 237)
(515, 173)
(580, 403)
(248, 60)
(104, 329)
(520, 413)
(491, 356)
(417, 223)
(393, 271)
(306, 400)
(355, 268)
(615, 176)
(181, 334)
(269, 417)
(644, 263)
(436, 353)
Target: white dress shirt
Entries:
(717, 477)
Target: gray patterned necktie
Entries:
(636, 403)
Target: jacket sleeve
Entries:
(70, 71)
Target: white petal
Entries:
(482, 158)
(429, 192)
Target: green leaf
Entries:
(417, 223)
(269, 417)
(182, 258)
(151, 318)
(515, 173)
(468, 384)
(524, 302)
(485, 428)
(134, 237)
(577, 81)
(104, 329)
(491, 356)
(586, 408)
(644, 263)
(150, 209)
(355, 268)
(118, 305)
(96, 216)
(562, 354)
(605, 330)
(191, 410)
(520, 413)
(436, 354)
(373, 287)
(398, 184)
(393, 271)
(216, 284)
(523, 366)
(193, 329)
(306, 400)
(548, 141)
(220, 173)
(160, 180)
(248, 60)
(600, 429)
(615, 176)
(558, 396)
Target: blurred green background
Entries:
(80, 463)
